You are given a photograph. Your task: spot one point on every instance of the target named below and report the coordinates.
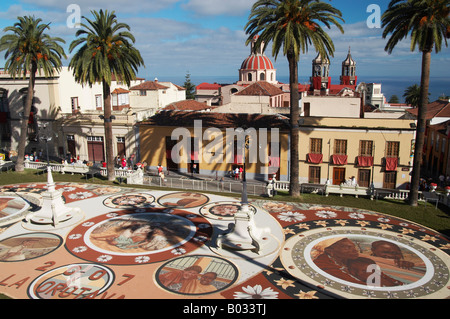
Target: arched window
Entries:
(262, 77)
(249, 77)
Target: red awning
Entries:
(314, 158)
(391, 163)
(365, 161)
(339, 159)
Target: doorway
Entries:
(338, 175)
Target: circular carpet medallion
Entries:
(223, 210)
(130, 200)
(148, 235)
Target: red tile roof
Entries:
(439, 108)
(208, 86)
(187, 105)
(149, 86)
(261, 88)
(120, 91)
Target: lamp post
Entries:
(45, 137)
(244, 235)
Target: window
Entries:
(142, 92)
(95, 139)
(4, 100)
(74, 103)
(98, 102)
(314, 174)
(364, 177)
(390, 180)
(365, 148)
(392, 149)
(315, 146)
(340, 147)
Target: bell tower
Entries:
(348, 76)
(320, 78)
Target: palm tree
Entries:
(106, 49)
(29, 50)
(412, 95)
(427, 22)
(293, 25)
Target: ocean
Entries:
(389, 85)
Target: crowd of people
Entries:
(427, 184)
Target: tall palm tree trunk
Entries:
(294, 187)
(19, 167)
(108, 131)
(421, 126)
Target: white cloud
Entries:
(117, 5)
(219, 7)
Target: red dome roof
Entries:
(257, 62)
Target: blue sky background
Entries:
(206, 38)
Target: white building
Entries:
(71, 114)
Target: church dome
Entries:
(257, 62)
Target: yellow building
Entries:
(377, 151)
(209, 143)
(333, 150)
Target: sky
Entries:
(206, 38)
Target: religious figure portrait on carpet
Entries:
(196, 275)
(151, 232)
(355, 259)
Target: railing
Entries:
(137, 177)
(377, 193)
(62, 168)
(211, 185)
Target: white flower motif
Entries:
(142, 259)
(75, 236)
(79, 249)
(291, 217)
(104, 258)
(87, 224)
(326, 214)
(68, 189)
(111, 215)
(383, 220)
(256, 292)
(81, 195)
(178, 251)
(200, 238)
(404, 224)
(356, 215)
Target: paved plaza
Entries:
(136, 243)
